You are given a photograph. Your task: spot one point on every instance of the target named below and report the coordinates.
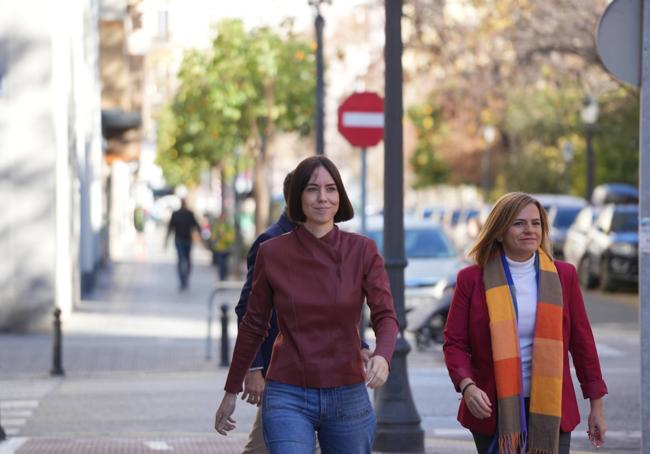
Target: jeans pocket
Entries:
(353, 402)
(281, 396)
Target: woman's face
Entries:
(320, 198)
(524, 236)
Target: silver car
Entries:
(430, 254)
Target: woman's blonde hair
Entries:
(498, 222)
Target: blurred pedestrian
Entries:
(316, 278)
(183, 223)
(514, 318)
(254, 380)
(139, 218)
(222, 239)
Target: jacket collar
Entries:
(328, 244)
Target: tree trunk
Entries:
(261, 189)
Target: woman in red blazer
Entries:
(507, 348)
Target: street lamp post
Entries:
(398, 422)
(589, 116)
(319, 22)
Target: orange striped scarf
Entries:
(541, 434)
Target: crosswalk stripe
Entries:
(158, 446)
(7, 404)
(16, 413)
(13, 421)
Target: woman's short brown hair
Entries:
(301, 175)
(499, 220)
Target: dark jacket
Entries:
(263, 357)
(468, 347)
(318, 287)
(182, 222)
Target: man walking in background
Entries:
(254, 381)
(182, 222)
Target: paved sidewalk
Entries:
(137, 380)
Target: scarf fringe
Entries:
(515, 444)
(511, 443)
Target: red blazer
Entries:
(468, 348)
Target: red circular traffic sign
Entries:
(361, 119)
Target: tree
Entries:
(429, 168)
(523, 66)
(251, 85)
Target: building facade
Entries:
(50, 158)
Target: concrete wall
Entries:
(50, 156)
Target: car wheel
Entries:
(584, 274)
(607, 282)
(422, 339)
(437, 326)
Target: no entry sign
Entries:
(361, 119)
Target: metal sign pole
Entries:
(364, 176)
(644, 226)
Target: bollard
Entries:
(3, 435)
(57, 345)
(225, 344)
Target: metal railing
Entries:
(218, 289)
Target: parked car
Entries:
(550, 200)
(560, 218)
(611, 258)
(577, 238)
(461, 232)
(427, 321)
(430, 254)
(434, 213)
(620, 193)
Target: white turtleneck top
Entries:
(524, 279)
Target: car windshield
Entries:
(625, 221)
(564, 217)
(420, 243)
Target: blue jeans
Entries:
(183, 250)
(342, 417)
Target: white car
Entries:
(430, 254)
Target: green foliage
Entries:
(177, 168)
(538, 123)
(250, 83)
(537, 169)
(427, 165)
(616, 140)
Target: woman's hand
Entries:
(223, 422)
(596, 426)
(376, 372)
(478, 403)
(253, 387)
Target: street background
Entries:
(137, 380)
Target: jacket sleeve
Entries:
(456, 348)
(380, 300)
(253, 328)
(582, 345)
(240, 309)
